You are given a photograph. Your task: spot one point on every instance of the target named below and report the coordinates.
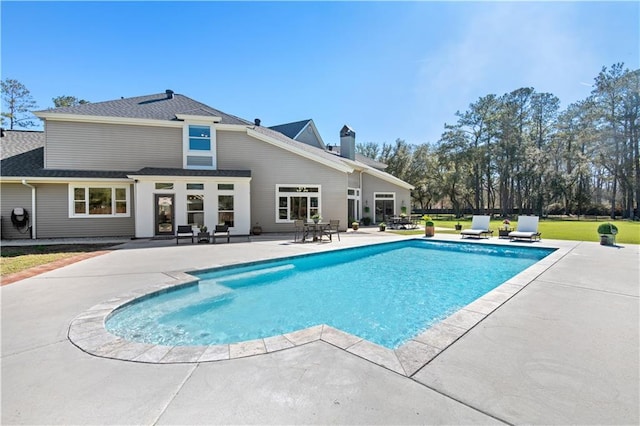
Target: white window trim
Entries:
(278, 195)
(72, 209)
(357, 196)
(186, 152)
(376, 197)
(231, 192)
(200, 192)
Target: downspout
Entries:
(33, 208)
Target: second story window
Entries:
(199, 138)
(199, 146)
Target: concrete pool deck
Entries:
(562, 349)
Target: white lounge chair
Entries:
(479, 227)
(527, 229)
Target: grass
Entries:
(553, 229)
(16, 259)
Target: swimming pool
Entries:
(385, 293)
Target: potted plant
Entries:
(429, 227)
(607, 233)
(366, 221)
(203, 234)
(316, 218)
(458, 226)
(355, 225)
(403, 210)
(382, 226)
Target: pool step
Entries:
(253, 274)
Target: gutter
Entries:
(33, 208)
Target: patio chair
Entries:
(184, 231)
(298, 227)
(527, 229)
(221, 230)
(479, 227)
(333, 228)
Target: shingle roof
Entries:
(16, 142)
(156, 171)
(155, 107)
(359, 157)
(300, 145)
(290, 130)
(30, 164)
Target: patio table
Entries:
(315, 229)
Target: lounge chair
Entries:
(221, 230)
(184, 231)
(479, 227)
(527, 229)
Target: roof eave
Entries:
(206, 118)
(54, 116)
(19, 179)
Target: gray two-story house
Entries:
(141, 166)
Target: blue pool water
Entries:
(385, 293)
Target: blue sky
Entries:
(388, 69)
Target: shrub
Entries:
(607, 228)
(555, 209)
(597, 210)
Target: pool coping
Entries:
(87, 331)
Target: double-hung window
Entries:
(199, 146)
(199, 138)
(99, 201)
(297, 202)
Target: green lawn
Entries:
(16, 259)
(555, 229)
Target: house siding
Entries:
(307, 136)
(118, 147)
(354, 179)
(271, 166)
(12, 196)
(52, 210)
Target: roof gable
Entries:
(304, 131)
(291, 130)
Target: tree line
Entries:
(520, 153)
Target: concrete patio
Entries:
(564, 349)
